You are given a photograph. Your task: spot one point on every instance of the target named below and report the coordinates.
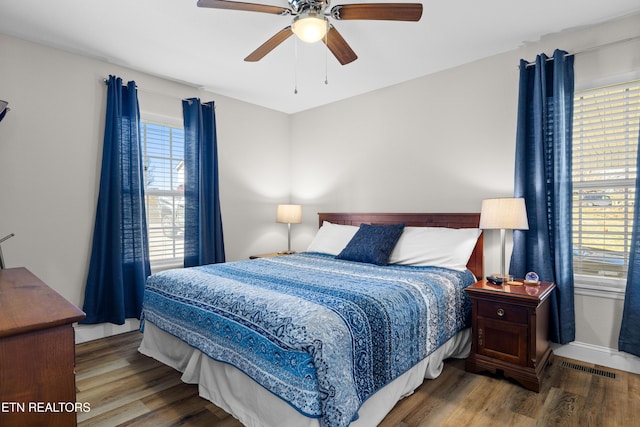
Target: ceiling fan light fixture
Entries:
(310, 27)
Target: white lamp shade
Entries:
(310, 27)
(289, 214)
(504, 213)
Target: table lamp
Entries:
(503, 214)
(289, 214)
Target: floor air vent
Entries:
(588, 370)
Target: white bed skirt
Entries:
(255, 406)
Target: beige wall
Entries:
(50, 156)
(440, 143)
(446, 141)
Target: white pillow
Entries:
(332, 238)
(435, 246)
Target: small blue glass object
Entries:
(532, 277)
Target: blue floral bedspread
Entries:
(322, 334)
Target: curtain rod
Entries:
(106, 81)
(589, 49)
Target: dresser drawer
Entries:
(499, 311)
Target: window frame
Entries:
(145, 117)
(600, 286)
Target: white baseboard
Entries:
(86, 333)
(597, 355)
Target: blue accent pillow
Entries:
(372, 244)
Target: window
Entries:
(605, 144)
(163, 148)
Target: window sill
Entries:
(159, 266)
(601, 287)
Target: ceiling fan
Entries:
(311, 23)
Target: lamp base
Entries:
(286, 252)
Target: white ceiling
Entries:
(205, 47)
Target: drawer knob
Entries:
(500, 312)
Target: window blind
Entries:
(163, 148)
(605, 144)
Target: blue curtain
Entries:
(203, 239)
(629, 339)
(543, 178)
(119, 264)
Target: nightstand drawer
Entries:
(500, 311)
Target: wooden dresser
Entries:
(510, 329)
(37, 353)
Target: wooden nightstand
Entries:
(510, 331)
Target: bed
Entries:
(315, 339)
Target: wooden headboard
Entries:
(449, 220)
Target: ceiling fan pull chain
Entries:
(326, 58)
(295, 66)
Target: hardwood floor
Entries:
(125, 388)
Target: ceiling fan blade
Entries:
(339, 47)
(251, 7)
(269, 45)
(378, 11)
